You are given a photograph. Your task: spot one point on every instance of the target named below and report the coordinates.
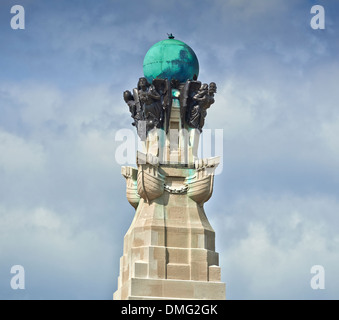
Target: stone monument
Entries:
(169, 249)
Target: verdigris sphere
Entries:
(171, 59)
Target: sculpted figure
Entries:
(128, 97)
(187, 103)
(163, 87)
(150, 103)
(204, 99)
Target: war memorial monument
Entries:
(169, 249)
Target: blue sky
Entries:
(275, 207)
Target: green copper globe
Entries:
(171, 59)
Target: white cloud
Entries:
(18, 155)
(57, 190)
(272, 241)
(45, 218)
(56, 250)
(244, 108)
(38, 102)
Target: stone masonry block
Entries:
(140, 269)
(199, 271)
(178, 255)
(214, 273)
(178, 271)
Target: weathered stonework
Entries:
(169, 249)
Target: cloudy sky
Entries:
(275, 207)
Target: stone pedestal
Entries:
(169, 249)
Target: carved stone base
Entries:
(159, 289)
(169, 249)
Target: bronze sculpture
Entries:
(152, 103)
